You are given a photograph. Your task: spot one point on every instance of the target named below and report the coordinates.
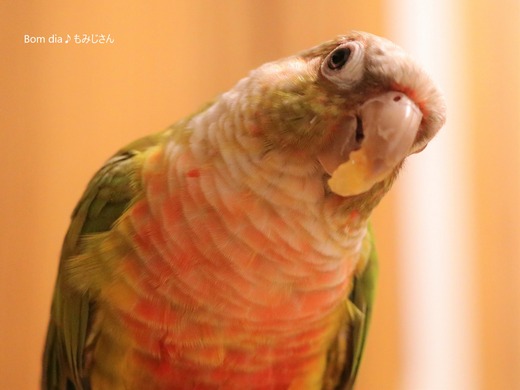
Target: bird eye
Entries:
(338, 58)
(344, 66)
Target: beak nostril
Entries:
(397, 98)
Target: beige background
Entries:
(65, 108)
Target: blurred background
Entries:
(447, 314)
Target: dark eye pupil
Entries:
(339, 58)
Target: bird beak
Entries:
(390, 123)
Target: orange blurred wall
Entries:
(494, 95)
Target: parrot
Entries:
(234, 249)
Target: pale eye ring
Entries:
(344, 66)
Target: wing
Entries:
(345, 355)
(107, 196)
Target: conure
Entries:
(233, 249)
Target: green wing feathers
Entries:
(107, 196)
(362, 298)
(345, 354)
